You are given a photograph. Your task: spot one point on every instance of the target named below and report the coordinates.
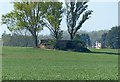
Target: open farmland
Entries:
(20, 63)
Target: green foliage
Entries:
(17, 40)
(111, 39)
(33, 16)
(10, 20)
(78, 46)
(83, 38)
(53, 18)
(52, 43)
(74, 45)
(20, 63)
(26, 15)
(76, 14)
(104, 40)
(114, 37)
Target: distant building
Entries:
(98, 45)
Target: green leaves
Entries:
(33, 16)
(26, 15)
(9, 20)
(112, 38)
(53, 17)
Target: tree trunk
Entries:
(56, 39)
(71, 37)
(35, 40)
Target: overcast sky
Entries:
(104, 17)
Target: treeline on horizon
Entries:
(108, 38)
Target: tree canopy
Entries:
(26, 15)
(53, 18)
(34, 16)
(111, 39)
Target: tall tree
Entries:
(26, 15)
(113, 37)
(53, 18)
(76, 15)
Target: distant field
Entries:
(36, 64)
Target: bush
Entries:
(52, 43)
(77, 46)
(61, 44)
(72, 45)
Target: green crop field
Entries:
(20, 63)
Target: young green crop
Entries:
(36, 64)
